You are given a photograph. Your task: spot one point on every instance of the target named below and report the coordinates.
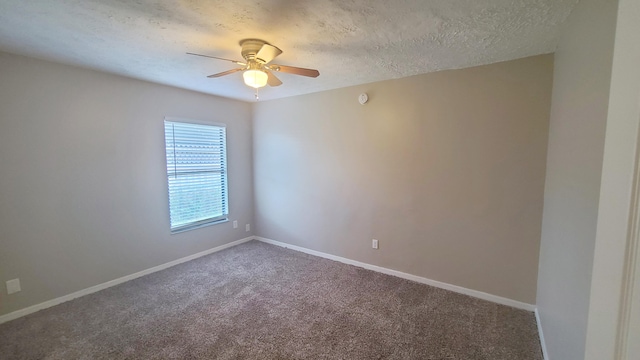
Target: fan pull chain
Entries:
(257, 97)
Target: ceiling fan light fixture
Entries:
(255, 78)
(257, 70)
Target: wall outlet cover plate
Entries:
(13, 286)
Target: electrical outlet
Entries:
(247, 227)
(374, 243)
(13, 286)
(235, 224)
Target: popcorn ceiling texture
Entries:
(351, 42)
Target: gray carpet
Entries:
(259, 301)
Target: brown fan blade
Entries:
(225, 73)
(272, 80)
(218, 58)
(295, 70)
(267, 53)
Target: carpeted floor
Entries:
(259, 301)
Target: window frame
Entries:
(225, 194)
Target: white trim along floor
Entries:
(434, 283)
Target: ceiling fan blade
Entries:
(272, 80)
(225, 73)
(267, 53)
(295, 70)
(218, 58)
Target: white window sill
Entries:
(188, 228)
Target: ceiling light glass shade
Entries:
(255, 78)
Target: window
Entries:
(196, 173)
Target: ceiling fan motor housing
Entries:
(250, 48)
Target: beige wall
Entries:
(582, 74)
(83, 191)
(446, 170)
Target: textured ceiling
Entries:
(349, 41)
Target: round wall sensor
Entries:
(363, 98)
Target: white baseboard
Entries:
(49, 303)
(458, 289)
(543, 345)
(434, 283)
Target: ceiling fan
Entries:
(257, 72)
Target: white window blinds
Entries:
(196, 173)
